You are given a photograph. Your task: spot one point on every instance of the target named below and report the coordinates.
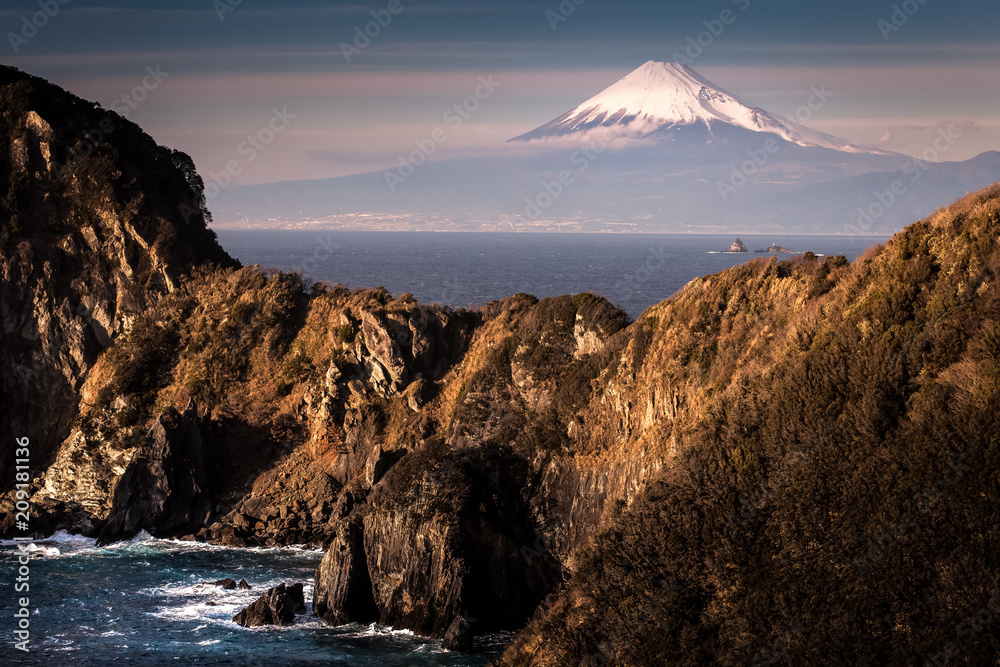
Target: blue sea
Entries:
(634, 271)
(144, 603)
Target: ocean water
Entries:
(634, 271)
(143, 603)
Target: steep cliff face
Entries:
(96, 221)
(833, 500)
(453, 462)
(167, 486)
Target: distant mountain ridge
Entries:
(662, 150)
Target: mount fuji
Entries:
(660, 97)
(661, 150)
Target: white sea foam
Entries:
(42, 551)
(62, 537)
(198, 611)
(376, 630)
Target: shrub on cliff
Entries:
(835, 507)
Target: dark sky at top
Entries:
(229, 65)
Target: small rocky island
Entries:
(774, 247)
(738, 246)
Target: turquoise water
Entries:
(143, 603)
(634, 271)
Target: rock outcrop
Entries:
(458, 636)
(167, 488)
(278, 606)
(96, 222)
(844, 462)
(343, 592)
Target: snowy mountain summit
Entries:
(660, 97)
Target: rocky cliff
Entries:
(834, 496)
(96, 222)
(671, 488)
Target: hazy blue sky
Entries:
(229, 65)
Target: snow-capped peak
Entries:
(659, 96)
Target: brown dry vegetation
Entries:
(792, 410)
(837, 500)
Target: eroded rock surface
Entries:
(275, 607)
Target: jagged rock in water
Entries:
(421, 570)
(297, 593)
(167, 487)
(738, 246)
(458, 636)
(225, 584)
(244, 586)
(275, 607)
(343, 587)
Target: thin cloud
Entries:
(907, 134)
